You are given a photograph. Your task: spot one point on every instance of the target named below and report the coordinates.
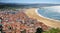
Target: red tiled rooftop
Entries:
(11, 20)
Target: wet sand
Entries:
(31, 13)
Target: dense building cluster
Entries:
(18, 22)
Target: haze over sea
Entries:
(52, 12)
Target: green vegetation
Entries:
(53, 30)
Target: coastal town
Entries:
(16, 21)
(29, 16)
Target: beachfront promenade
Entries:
(32, 13)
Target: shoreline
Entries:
(44, 17)
(32, 13)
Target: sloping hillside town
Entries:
(16, 21)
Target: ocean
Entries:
(50, 12)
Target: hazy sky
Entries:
(31, 1)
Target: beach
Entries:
(31, 12)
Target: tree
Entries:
(39, 30)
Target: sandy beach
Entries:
(31, 13)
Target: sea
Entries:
(52, 12)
